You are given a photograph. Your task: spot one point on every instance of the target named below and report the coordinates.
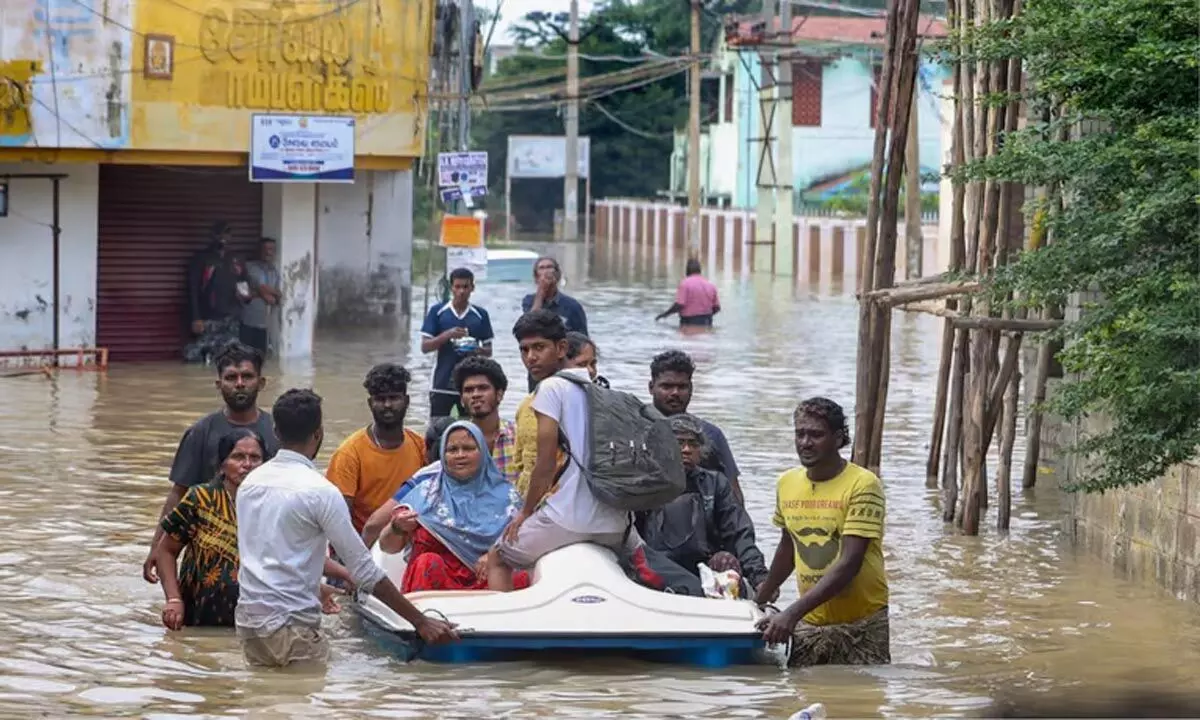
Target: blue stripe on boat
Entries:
(712, 652)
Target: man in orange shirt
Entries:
(370, 465)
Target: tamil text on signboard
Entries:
(301, 148)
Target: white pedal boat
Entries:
(579, 601)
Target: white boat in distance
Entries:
(579, 601)
(510, 265)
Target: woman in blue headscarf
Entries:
(448, 523)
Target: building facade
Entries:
(143, 111)
(835, 71)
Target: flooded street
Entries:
(83, 465)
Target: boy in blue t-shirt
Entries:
(454, 330)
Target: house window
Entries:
(806, 93)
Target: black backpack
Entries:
(635, 462)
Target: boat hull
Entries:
(580, 603)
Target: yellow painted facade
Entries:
(157, 78)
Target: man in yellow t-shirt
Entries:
(831, 512)
(370, 465)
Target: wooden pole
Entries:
(879, 347)
(957, 251)
(914, 242)
(1008, 435)
(864, 418)
(1033, 431)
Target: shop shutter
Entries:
(152, 219)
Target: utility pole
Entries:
(571, 174)
(785, 247)
(693, 153)
(764, 181)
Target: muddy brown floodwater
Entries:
(83, 461)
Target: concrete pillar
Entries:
(392, 243)
(365, 266)
(290, 216)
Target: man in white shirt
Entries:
(571, 514)
(288, 514)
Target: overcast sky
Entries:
(514, 10)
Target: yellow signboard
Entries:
(462, 232)
(367, 58)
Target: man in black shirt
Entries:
(239, 378)
(214, 308)
(671, 387)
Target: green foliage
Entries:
(623, 163)
(1124, 73)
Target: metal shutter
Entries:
(152, 219)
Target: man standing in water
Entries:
(239, 379)
(547, 274)
(671, 388)
(482, 384)
(373, 462)
(448, 331)
(831, 512)
(288, 515)
(696, 299)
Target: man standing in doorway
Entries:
(370, 465)
(546, 275)
(696, 299)
(288, 515)
(671, 388)
(454, 330)
(214, 308)
(263, 279)
(239, 379)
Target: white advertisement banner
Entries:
(544, 156)
(301, 148)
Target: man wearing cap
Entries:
(213, 303)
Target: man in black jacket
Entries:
(706, 524)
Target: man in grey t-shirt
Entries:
(239, 379)
(263, 279)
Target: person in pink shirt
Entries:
(695, 300)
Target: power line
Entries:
(622, 124)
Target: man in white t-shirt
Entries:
(570, 514)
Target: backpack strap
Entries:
(572, 378)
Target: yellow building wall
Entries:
(79, 77)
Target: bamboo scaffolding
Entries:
(879, 257)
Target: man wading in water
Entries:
(831, 512)
(671, 388)
(240, 380)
